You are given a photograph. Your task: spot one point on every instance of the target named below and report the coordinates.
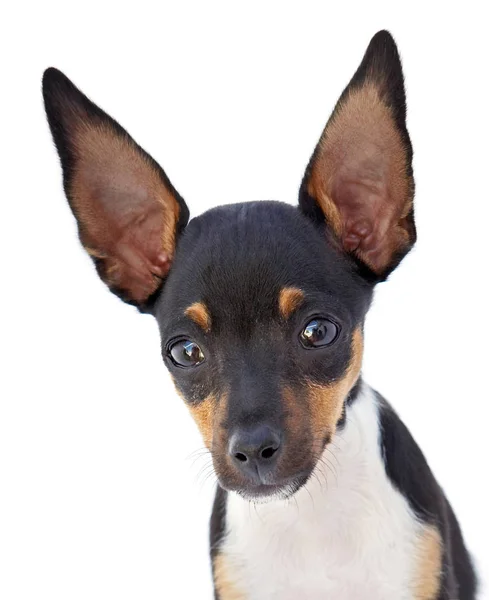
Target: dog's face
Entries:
(260, 305)
(261, 328)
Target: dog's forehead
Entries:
(237, 259)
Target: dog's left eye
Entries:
(318, 333)
(185, 353)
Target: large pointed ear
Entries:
(360, 179)
(128, 213)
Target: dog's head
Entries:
(260, 305)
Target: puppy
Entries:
(261, 308)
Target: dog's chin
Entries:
(263, 493)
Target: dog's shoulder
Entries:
(409, 472)
(406, 465)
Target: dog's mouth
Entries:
(265, 492)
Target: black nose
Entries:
(255, 451)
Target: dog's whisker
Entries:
(330, 468)
(209, 477)
(203, 474)
(195, 460)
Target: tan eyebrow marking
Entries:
(200, 315)
(290, 298)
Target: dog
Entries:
(261, 309)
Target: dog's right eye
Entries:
(185, 353)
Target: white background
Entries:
(98, 496)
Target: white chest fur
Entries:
(349, 534)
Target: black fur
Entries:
(217, 525)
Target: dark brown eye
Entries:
(318, 333)
(185, 353)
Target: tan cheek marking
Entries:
(220, 417)
(295, 413)
(427, 578)
(327, 400)
(200, 315)
(290, 298)
(204, 415)
(225, 587)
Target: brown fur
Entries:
(204, 415)
(359, 177)
(127, 215)
(427, 578)
(290, 298)
(296, 419)
(200, 315)
(225, 587)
